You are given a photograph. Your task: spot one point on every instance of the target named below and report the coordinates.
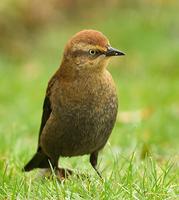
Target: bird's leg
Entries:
(61, 172)
(93, 161)
(53, 164)
(53, 169)
(49, 166)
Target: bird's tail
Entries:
(39, 160)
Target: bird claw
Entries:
(62, 173)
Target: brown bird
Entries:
(80, 105)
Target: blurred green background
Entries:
(32, 38)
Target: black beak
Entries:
(113, 52)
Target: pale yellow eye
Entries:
(92, 52)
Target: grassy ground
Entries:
(141, 159)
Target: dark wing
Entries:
(40, 160)
(47, 106)
(45, 115)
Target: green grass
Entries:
(141, 159)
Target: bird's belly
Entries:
(87, 127)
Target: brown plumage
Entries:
(80, 105)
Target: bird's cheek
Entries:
(91, 63)
(77, 61)
(104, 62)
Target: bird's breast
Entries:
(88, 94)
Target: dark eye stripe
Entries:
(79, 53)
(86, 53)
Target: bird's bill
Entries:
(113, 52)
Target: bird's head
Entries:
(89, 49)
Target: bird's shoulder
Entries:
(51, 83)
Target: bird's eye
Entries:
(92, 52)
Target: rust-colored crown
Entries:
(90, 37)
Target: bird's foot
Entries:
(62, 173)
